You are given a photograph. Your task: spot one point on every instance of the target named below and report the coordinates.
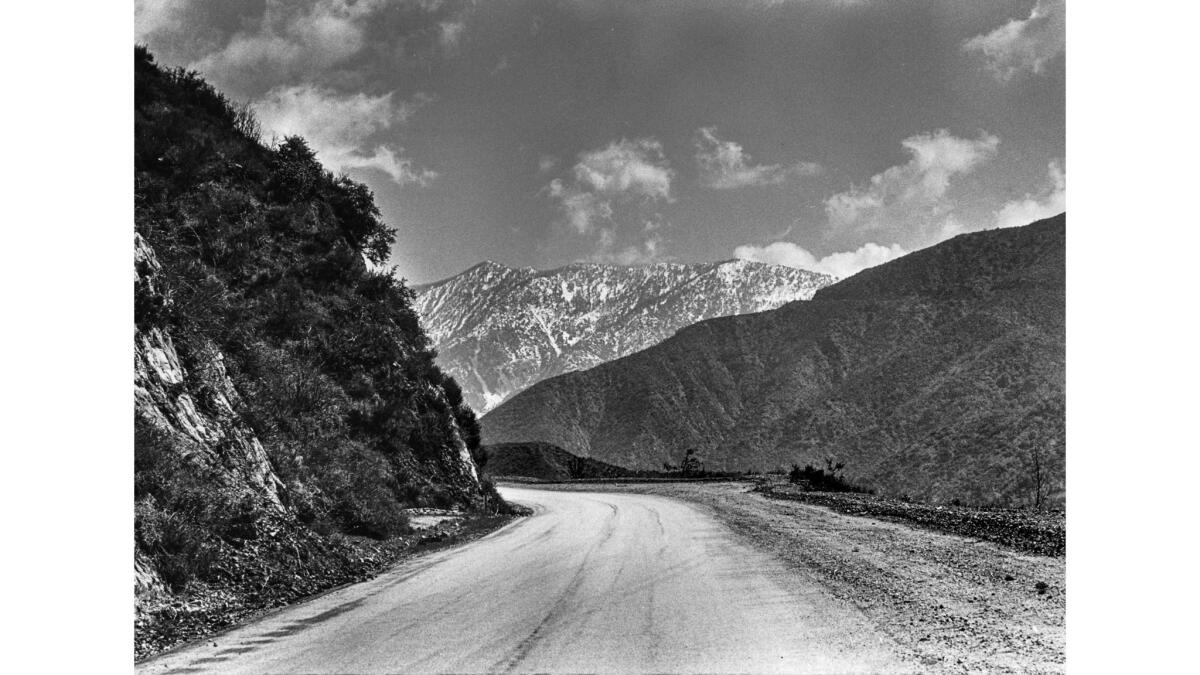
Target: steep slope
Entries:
(545, 461)
(499, 330)
(939, 375)
(286, 396)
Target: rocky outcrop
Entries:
(195, 406)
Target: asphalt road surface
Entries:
(592, 582)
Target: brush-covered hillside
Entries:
(545, 462)
(288, 406)
(939, 375)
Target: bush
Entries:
(179, 547)
(828, 479)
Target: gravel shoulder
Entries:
(957, 604)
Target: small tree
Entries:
(692, 465)
(1038, 471)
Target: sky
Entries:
(830, 135)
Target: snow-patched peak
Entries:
(498, 329)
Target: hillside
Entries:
(287, 404)
(498, 330)
(939, 375)
(546, 462)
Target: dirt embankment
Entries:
(1043, 533)
(958, 604)
(285, 565)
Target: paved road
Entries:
(592, 582)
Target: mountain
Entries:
(939, 375)
(546, 462)
(498, 329)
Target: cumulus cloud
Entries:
(340, 128)
(724, 165)
(293, 39)
(841, 264)
(1024, 44)
(626, 168)
(1051, 201)
(912, 195)
(611, 189)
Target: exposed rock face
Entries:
(498, 330)
(196, 406)
(939, 375)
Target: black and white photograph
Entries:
(606, 336)
(568, 337)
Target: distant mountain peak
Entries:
(498, 329)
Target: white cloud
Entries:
(626, 168)
(152, 16)
(1024, 44)
(292, 39)
(547, 163)
(724, 165)
(340, 128)
(841, 264)
(611, 189)
(581, 209)
(911, 195)
(1050, 202)
(450, 33)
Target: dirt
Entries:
(957, 604)
(252, 583)
(1040, 532)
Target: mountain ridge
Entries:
(499, 329)
(939, 374)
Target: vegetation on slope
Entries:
(257, 267)
(546, 462)
(939, 375)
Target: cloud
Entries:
(581, 209)
(1024, 44)
(547, 163)
(611, 196)
(153, 16)
(724, 165)
(340, 128)
(292, 39)
(450, 33)
(1050, 202)
(841, 265)
(624, 168)
(912, 195)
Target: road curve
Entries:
(591, 582)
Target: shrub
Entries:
(828, 479)
(179, 547)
